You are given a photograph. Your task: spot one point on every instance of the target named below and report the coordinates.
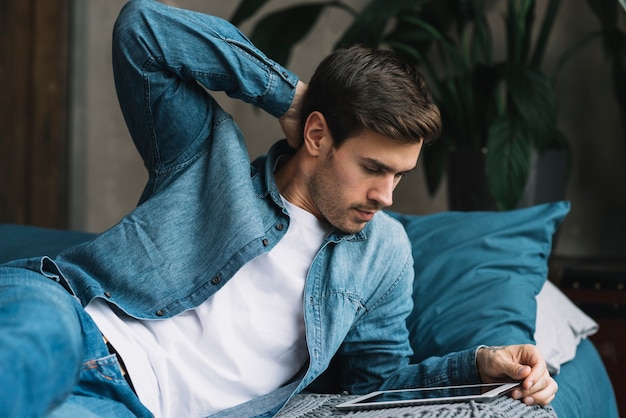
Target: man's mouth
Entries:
(366, 215)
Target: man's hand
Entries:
(290, 121)
(518, 362)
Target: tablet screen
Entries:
(391, 398)
(430, 393)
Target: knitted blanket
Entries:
(315, 406)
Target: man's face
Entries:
(351, 183)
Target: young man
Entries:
(233, 285)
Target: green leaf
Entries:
(482, 41)
(519, 23)
(525, 28)
(454, 112)
(369, 26)
(277, 33)
(407, 32)
(534, 102)
(245, 10)
(544, 33)
(452, 55)
(434, 159)
(508, 161)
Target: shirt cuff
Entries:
(281, 91)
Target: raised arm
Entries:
(164, 60)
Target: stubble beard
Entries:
(326, 197)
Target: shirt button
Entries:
(266, 242)
(107, 294)
(216, 280)
(160, 312)
(280, 227)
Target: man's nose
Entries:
(382, 191)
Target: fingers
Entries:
(532, 357)
(519, 362)
(499, 363)
(540, 393)
(524, 363)
(290, 121)
(538, 388)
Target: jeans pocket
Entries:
(102, 374)
(102, 390)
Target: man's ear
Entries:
(317, 138)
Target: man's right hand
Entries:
(523, 363)
(290, 121)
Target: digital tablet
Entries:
(445, 394)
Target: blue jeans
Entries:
(52, 356)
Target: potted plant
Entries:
(499, 112)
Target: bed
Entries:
(480, 278)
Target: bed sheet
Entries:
(585, 390)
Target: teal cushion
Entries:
(22, 241)
(477, 275)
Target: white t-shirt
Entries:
(245, 341)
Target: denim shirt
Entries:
(207, 210)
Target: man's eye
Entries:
(371, 170)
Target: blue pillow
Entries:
(477, 275)
(22, 241)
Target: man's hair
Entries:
(360, 88)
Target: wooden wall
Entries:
(34, 65)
